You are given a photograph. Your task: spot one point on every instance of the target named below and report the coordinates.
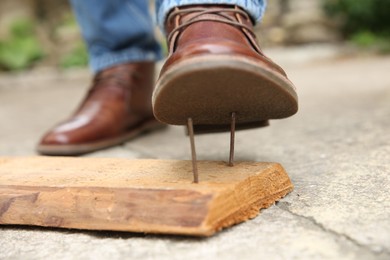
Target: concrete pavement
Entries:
(336, 151)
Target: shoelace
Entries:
(227, 20)
(202, 11)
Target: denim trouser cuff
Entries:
(255, 8)
(131, 54)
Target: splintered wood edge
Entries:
(257, 192)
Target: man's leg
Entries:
(122, 49)
(116, 31)
(216, 75)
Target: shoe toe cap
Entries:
(53, 138)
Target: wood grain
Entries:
(151, 196)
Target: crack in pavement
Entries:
(284, 206)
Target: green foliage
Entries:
(361, 15)
(371, 40)
(365, 22)
(21, 49)
(78, 57)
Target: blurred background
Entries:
(44, 33)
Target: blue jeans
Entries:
(122, 31)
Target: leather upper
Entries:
(118, 100)
(218, 30)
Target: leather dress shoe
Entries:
(116, 108)
(215, 67)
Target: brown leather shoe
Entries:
(216, 67)
(116, 109)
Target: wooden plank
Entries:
(151, 196)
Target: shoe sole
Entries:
(79, 149)
(208, 89)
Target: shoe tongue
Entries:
(209, 29)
